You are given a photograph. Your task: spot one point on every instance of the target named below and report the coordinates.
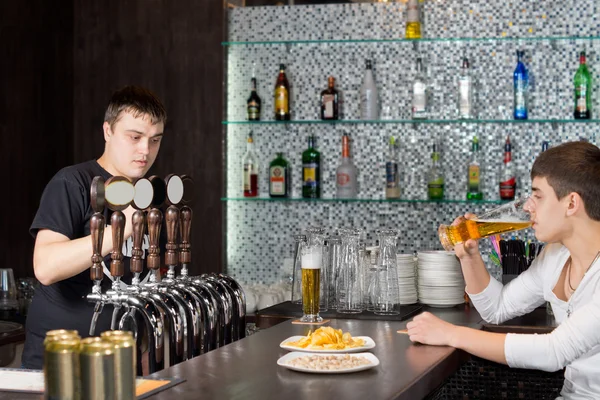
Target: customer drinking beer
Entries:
(565, 213)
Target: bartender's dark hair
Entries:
(138, 101)
(572, 167)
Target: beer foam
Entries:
(311, 261)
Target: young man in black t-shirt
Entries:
(133, 128)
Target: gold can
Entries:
(61, 368)
(97, 359)
(125, 363)
(60, 334)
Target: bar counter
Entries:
(247, 369)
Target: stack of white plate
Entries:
(406, 278)
(440, 280)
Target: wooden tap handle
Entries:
(154, 225)
(117, 223)
(172, 220)
(138, 221)
(97, 231)
(185, 255)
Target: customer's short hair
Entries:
(572, 167)
(138, 101)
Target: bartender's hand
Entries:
(470, 248)
(426, 328)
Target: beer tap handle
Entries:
(185, 254)
(154, 225)
(97, 232)
(171, 256)
(117, 223)
(138, 222)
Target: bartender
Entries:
(133, 129)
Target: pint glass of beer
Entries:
(311, 263)
(506, 218)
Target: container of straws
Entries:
(513, 256)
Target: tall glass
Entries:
(299, 241)
(506, 218)
(387, 291)
(312, 260)
(349, 283)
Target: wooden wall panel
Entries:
(173, 48)
(36, 116)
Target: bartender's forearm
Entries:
(482, 344)
(476, 275)
(56, 258)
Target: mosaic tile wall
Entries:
(259, 234)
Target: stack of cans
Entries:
(92, 368)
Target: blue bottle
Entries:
(521, 88)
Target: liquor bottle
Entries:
(419, 109)
(346, 173)
(521, 88)
(282, 96)
(474, 173)
(435, 176)
(369, 109)
(279, 177)
(465, 91)
(413, 21)
(329, 101)
(545, 145)
(392, 177)
(583, 90)
(253, 104)
(250, 169)
(508, 179)
(311, 171)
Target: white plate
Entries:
(283, 362)
(369, 344)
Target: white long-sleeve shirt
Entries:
(574, 344)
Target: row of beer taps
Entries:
(197, 313)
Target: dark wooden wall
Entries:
(36, 116)
(61, 63)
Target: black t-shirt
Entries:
(65, 208)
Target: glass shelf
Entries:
(419, 121)
(332, 200)
(403, 40)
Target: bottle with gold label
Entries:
(253, 104)
(413, 20)
(279, 177)
(474, 173)
(311, 171)
(282, 96)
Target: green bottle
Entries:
(311, 171)
(279, 177)
(435, 177)
(474, 178)
(583, 90)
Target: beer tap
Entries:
(185, 227)
(97, 223)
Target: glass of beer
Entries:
(311, 263)
(506, 218)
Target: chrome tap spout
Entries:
(239, 312)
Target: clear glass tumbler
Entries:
(387, 301)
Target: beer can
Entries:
(60, 333)
(61, 368)
(125, 363)
(97, 359)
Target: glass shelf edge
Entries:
(410, 121)
(404, 40)
(332, 200)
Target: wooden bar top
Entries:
(247, 369)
